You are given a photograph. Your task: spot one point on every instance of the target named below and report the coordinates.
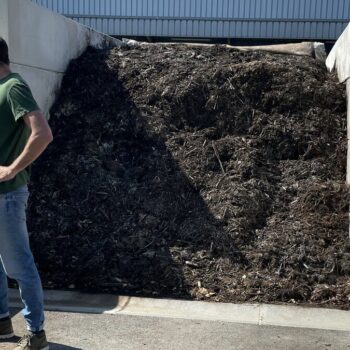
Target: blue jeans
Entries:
(16, 259)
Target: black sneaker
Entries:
(33, 341)
(6, 330)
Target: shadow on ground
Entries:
(14, 340)
(55, 346)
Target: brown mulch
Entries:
(196, 173)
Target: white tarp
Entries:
(339, 58)
(311, 49)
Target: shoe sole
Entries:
(45, 348)
(7, 336)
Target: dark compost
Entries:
(198, 173)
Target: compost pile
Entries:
(195, 172)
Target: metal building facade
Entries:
(240, 19)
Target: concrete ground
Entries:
(75, 331)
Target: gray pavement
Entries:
(75, 331)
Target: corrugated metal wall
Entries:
(260, 19)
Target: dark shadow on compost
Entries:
(111, 210)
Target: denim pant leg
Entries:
(4, 306)
(17, 257)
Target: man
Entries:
(24, 135)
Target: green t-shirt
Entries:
(16, 100)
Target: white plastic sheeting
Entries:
(339, 57)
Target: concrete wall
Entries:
(42, 44)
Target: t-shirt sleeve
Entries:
(21, 100)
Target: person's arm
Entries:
(38, 140)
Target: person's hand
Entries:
(6, 173)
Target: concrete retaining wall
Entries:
(42, 44)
